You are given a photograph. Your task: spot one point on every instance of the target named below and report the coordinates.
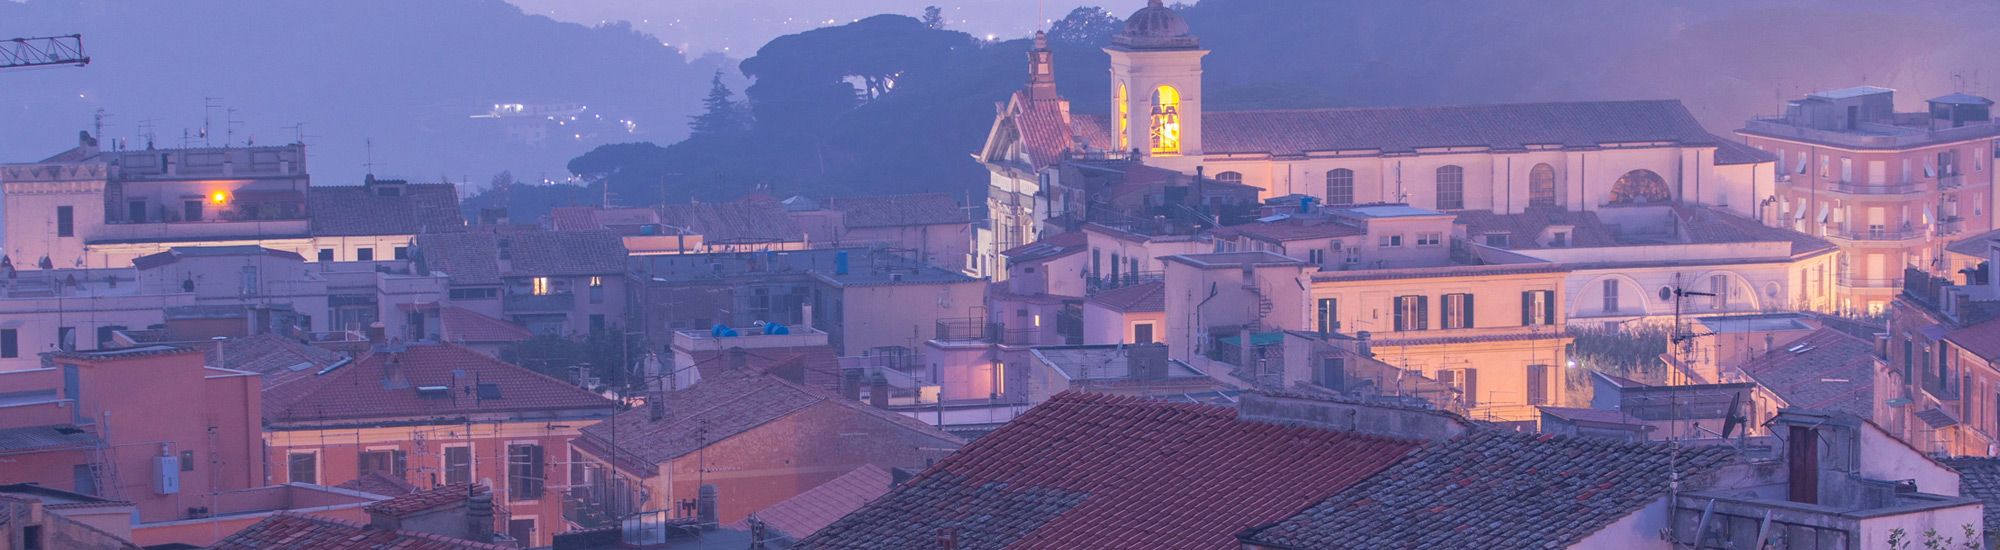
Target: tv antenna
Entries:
(1683, 338)
(208, 106)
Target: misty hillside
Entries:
(1727, 60)
(409, 75)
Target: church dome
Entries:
(1155, 21)
(1156, 27)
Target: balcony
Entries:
(1844, 232)
(1856, 282)
(1950, 181)
(1857, 188)
(1867, 135)
(1114, 281)
(524, 303)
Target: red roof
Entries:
(286, 529)
(1824, 370)
(464, 325)
(818, 507)
(573, 218)
(1045, 128)
(899, 210)
(1104, 471)
(1982, 339)
(1140, 298)
(380, 483)
(425, 500)
(816, 366)
(1060, 244)
(381, 384)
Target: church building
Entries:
(1583, 156)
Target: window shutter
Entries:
(1527, 308)
(1468, 312)
(402, 463)
(1423, 313)
(1537, 385)
(1549, 307)
(1471, 388)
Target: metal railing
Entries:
(1858, 188)
(1950, 181)
(1115, 281)
(560, 301)
(1904, 232)
(1857, 282)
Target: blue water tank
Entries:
(840, 263)
(774, 328)
(1305, 205)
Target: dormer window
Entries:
(1559, 240)
(1496, 240)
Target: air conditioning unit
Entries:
(166, 475)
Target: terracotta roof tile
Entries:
(47, 437)
(411, 503)
(464, 325)
(1831, 371)
(1524, 230)
(715, 409)
(560, 253)
(1729, 152)
(899, 210)
(369, 388)
(1491, 486)
(379, 483)
(818, 507)
(734, 222)
(292, 530)
(1980, 478)
(1140, 298)
(356, 210)
(816, 366)
(1982, 339)
(1086, 471)
(470, 258)
(1045, 129)
(573, 218)
(1705, 224)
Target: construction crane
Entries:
(46, 50)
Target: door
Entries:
(191, 211)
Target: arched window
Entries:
(1340, 186)
(1450, 188)
(1542, 186)
(1166, 121)
(1231, 177)
(1640, 187)
(1124, 103)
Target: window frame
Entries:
(1339, 186)
(1450, 181)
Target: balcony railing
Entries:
(1857, 282)
(1858, 188)
(560, 301)
(967, 328)
(1095, 285)
(1905, 232)
(1950, 181)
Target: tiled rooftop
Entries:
(57, 436)
(175, 254)
(381, 384)
(292, 530)
(818, 507)
(380, 483)
(464, 325)
(359, 210)
(1980, 478)
(1087, 471)
(470, 258)
(411, 503)
(1102, 362)
(816, 366)
(560, 253)
(715, 409)
(740, 222)
(1494, 489)
(899, 210)
(1825, 370)
(1982, 339)
(1139, 298)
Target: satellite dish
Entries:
(1732, 420)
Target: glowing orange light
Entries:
(219, 197)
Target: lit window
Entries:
(542, 286)
(1166, 121)
(1124, 103)
(596, 281)
(1542, 186)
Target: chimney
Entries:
(1362, 346)
(656, 406)
(738, 359)
(756, 533)
(705, 504)
(878, 392)
(377, 333)
(850, 383)
(479, 517)
(1146, 361)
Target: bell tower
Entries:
(1041, 70)
(1156, 86)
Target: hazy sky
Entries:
(739, 27)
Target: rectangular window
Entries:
(402, 252)
(1467, 383)
(65, 221)
(1412, 313)
(1719, 286)
(541, 286)
(474, 293)
(1497, 240)
(388, 461)
(190, 211)
(1316, 256)
(1559, 240)
(1142, 333)
(1846, 169)
(458, 465)
(521, 529)
(524, 472)
(135, 212)
(1538, 307)
(364, 254)
(249, 286)
(1611, 296)
(326, 254)
(303, 467)
(1332, 373)
(597, 290)
(1392, 241)
(10, 343)
(1824, 163)
(1429, 239)
(1457, 311)
(1328, 314)
(596, 323)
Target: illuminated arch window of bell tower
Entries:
(1166, 121)
(1122, 101)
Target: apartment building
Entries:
(1890, 188)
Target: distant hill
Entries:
(1726, 59)
(408, 75)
